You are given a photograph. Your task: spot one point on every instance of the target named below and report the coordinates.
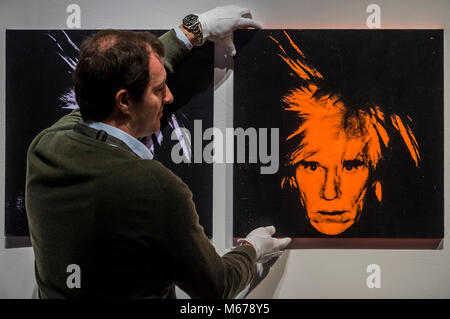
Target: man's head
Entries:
(120, 80)
(335, 149)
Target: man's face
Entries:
(146, 114)
(333, 179)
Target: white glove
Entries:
(219, 24)
(266, 247)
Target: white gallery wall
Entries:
(306, 273)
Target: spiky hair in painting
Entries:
(314, 107)
(68, 100)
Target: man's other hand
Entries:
(219, 24)
(265, 245)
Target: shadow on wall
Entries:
(223, 66)
(267, 279)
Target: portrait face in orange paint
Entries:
(336, 148)
(335, 157)
(332, 179)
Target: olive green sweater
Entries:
(129, 224)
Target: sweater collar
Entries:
(134, 144)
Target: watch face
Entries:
(190, 19)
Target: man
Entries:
(336, 149)
(94, 198)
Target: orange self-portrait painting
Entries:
(348, 108)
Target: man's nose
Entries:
(331, 186)
(168, 97)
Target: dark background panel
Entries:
(401, 70)
(37, 77)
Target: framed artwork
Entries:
(39, 90)
(357, 116)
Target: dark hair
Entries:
(111, 60)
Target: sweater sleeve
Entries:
(198, 269)
(175, 50)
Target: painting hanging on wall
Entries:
(357, 116)
(39, 90)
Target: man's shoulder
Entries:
(67, 122)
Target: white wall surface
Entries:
(298, 273)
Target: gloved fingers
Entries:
(246, 22)
(270, 229)
(257, 231)
(281, 243)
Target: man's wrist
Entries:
(182, 37)
(244, 242)
(191, 36)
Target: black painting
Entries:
(39, 90)
(360, 119)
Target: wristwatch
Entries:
(191, 23)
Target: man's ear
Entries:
(123, 101)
